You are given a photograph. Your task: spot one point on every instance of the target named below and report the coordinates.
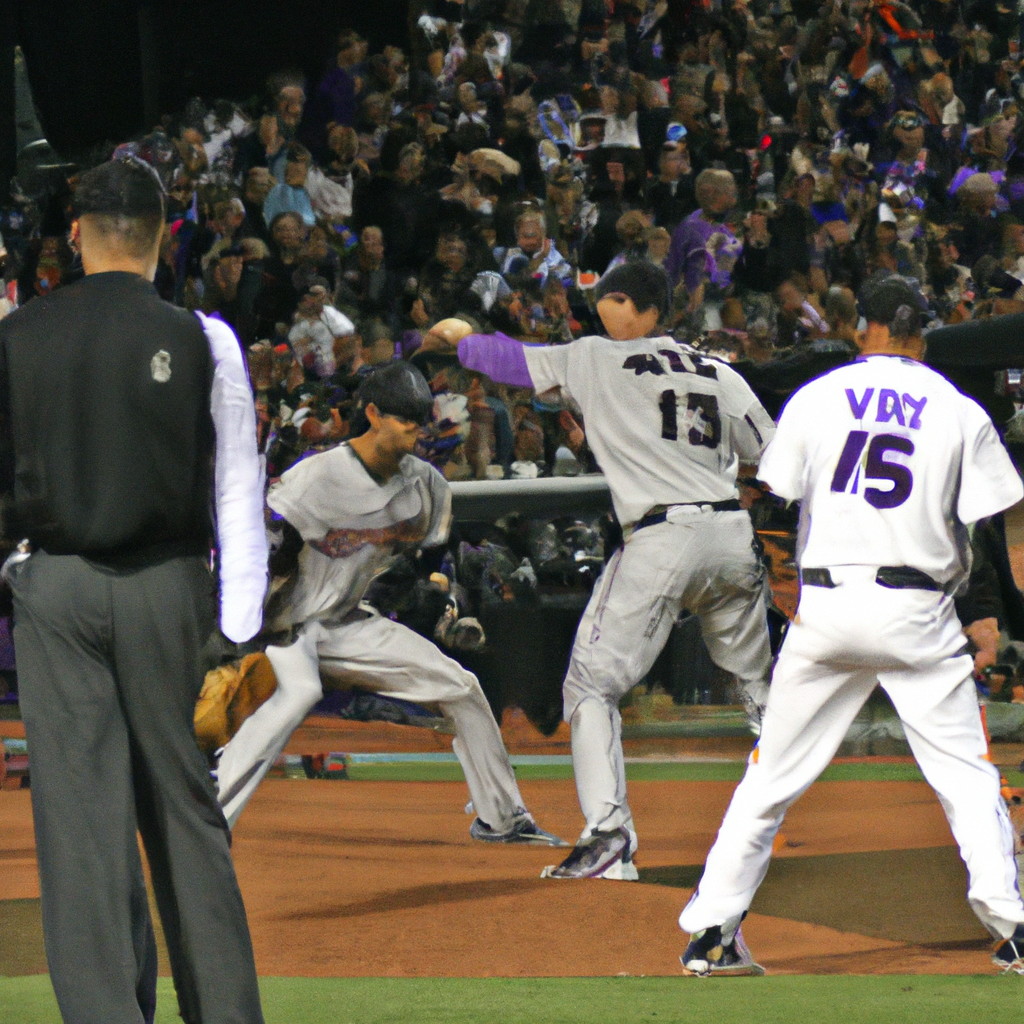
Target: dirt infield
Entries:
(358, 878)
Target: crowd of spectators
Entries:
(771, 155)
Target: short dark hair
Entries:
(347, 38)
(126, 201)
(645, 283)
(285, 214)
(892, 302)
(283, 79)
(398, 389)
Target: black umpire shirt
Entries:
(107, 439)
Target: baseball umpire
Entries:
(115, 407)
(669, 428)
(890, 463)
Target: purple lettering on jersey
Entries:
(859, 406)
(849, 460)
(917, 404)
(643, 363)
(675, 361)
(878, 469)
(889, 405)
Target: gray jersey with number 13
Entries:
(667, 425)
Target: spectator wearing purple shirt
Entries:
(334, 101)
(703, 248)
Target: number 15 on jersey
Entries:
(853, 463)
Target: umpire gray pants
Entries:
(108, 676)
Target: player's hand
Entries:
(984, 634)
(445, 335)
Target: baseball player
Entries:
(890, 462)
(347, 512)
(669, 429)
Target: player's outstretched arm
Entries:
(503, 359)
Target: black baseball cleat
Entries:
(524, 831)
(707, 955)
(1009, 954)
(600, 855)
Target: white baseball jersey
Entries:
(668, 426)
(353, 527)
(890, 461)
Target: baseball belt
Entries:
(895, 577)
(659, 516)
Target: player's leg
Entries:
(621, 633)
(162, 615)
(939, 710)
(96, 923)
(253, 749)
(378, 654)
(810, 707)
(707, 558)
(599, 766)
(815, 695)
(726, 590)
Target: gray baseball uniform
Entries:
(353, 526)
(669, 428)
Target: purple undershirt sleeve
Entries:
(500, 357)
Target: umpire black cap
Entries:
(398, 389)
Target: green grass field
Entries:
(890, 999)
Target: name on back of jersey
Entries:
(879, 468)
(889, 406)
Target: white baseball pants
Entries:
(380, 655)
(842, 642)
(702, 561)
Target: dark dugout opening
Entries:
(107, 70)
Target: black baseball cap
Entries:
(398, 389)
(645, 283)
